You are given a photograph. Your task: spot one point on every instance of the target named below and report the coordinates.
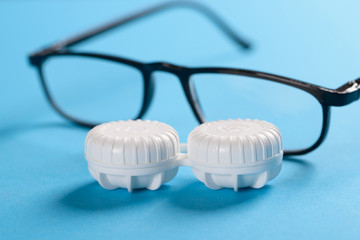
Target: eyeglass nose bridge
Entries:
(184, 75)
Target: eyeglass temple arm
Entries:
(164, 6)
(345, 94)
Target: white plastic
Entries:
(235, 153)
(132, 154)
(146, 154)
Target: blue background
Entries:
(46, 191)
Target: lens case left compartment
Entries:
(132, 154)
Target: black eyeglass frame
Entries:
(341, 96)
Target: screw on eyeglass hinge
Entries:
(349, 87)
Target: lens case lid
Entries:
(233, 142)
(145, 154)
(132, 143)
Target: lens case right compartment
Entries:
(235, 153)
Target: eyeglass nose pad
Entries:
(132, 154)
(149, 88)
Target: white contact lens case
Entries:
(146, 154)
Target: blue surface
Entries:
(46, 191)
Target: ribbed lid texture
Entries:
(131, 143)
(231, 142)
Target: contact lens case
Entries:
(145, 154)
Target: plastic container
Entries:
(146, 154)
(132, 154)
(235, 153)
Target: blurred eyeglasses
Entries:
(91, 88)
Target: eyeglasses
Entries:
(91, 88)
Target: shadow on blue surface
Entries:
(302, 172)
(196, 197)
(299, 161)
(93, 197)
(192, 196)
